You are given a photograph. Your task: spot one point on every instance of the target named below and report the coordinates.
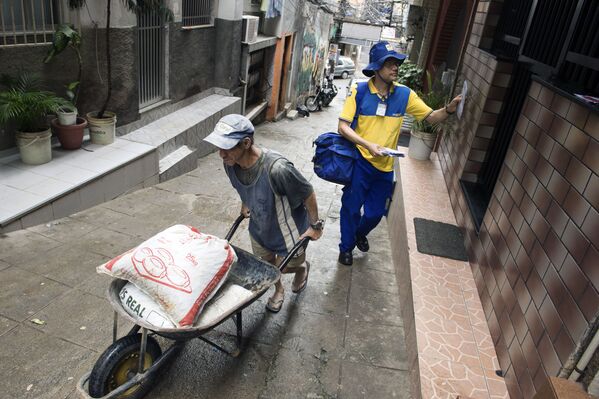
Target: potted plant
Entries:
(424, 135)
(25, 104)
(68, 127)
(410, 75)
(102, 123)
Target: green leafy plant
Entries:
(435, 97)
(136, 6)
(410, 75)
(25, 104)
(67, 37)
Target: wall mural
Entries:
(315, 50)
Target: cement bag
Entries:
(179, 268)
(231, 297)
(139, 305)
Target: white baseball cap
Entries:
(229, 130)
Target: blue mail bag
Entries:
(334, 158)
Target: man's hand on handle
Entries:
(312, 233)
(245, 211)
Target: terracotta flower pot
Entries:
(70, 136)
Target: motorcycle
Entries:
(323, 97)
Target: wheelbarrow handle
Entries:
(234, 227)
(303, 243)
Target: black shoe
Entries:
(362, 244)
(346, 258)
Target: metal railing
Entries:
(197, 12)
(26, 22)
(151, 58)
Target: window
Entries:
(197, 13)
(28, 21)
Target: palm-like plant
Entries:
(24, 103)
(136, 6)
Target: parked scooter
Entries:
(324, 95)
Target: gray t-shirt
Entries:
(286, 180)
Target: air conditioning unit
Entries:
(250, 28)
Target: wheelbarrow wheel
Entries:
(119, 363)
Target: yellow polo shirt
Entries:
(383, 130)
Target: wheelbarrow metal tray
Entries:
(250, 272)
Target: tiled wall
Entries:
(535, 258)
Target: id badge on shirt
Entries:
(381, 109)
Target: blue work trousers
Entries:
(370, 188)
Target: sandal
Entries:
(274, 305)
(297, 289)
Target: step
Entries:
(178, 136)
(72, 181)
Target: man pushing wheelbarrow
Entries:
(281, 202)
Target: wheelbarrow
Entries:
(129, 366)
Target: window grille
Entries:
(548, 31)
(151, 58)
(197, 12)
(581, 66)
(28, 21)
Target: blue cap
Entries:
(379, 53)
(229, 130)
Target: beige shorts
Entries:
(294, 265)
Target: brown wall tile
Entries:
(546, 97)
(524, 264)
(557, 218)
(592, 126)
(555, 249)
(591, 193)
(590, 226)
(522, 294)
(576, 206)
(545, 118)
(577, 142)
(578, 175)
(549, 357)
(590, 156)
(574, 279)
(543, 171)
(560, 106)
(540, 379)
(575, 242)
(529, 350)
(554, 285)
(540, 226)
(535, 324)
(542, 199)
(572, 317)
(551, 318)
(536, 288)
(589, 303)
(564, 346)
(559, 130)
(558, 187)
(560, 158)
(577, 115)
(539, 259)
(589, 265)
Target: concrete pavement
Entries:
(341, 338)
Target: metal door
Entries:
(151, 57)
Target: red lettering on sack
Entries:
(159, 266)
(222, 271)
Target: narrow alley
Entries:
(341, 337)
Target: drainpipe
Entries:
(585, 358)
